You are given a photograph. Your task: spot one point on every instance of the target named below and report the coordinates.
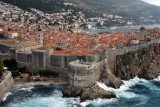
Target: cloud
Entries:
(155, 2)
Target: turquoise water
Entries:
(134, 93)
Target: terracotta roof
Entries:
(72, 52)
(72, 43)
(10, 42)
(29, 43)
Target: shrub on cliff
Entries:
(10, 64)
(22, 69)
(1, 68)
(14, 73)
(47, 73)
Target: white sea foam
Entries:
(49, 101)
(131, 82)
(28, 89)
(113, 27)
(99, 101)
(125, 86)
(32, 84)
(122, 91)
(6, 95)
(157, 79)
(29, 86)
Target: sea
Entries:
(136, 92)
(119, 28)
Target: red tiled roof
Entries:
(72, 52)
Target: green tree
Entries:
(22, 69)
(14, 73)
(1, 67)
(48, 73)
(10, 64)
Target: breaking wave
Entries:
(6, 95)
(122, 91)
(129, 91)
(98, 102)
(157, 79)
(27, 89)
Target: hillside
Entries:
(132, 8)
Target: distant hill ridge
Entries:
(134, 8)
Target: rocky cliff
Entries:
(143, 63)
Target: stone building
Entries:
(28, 45)
(29, 54)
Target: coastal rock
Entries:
(70, 91)
(114, 81)
(94, 91)
(111, 80)
(87, 93)
(138, 63)
(154, 69)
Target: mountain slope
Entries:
(130, 7)
(134, 8)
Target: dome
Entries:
(142, 28)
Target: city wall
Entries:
(6, 84)
(112, 53)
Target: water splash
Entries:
(27, 89)
(98, 102)
(6, 95)
(125, 86)
(157, 79)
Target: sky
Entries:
(155, 2)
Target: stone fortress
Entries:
(84, 73)
(82, 70)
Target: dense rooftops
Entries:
(74, 43)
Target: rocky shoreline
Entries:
(87, 93)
